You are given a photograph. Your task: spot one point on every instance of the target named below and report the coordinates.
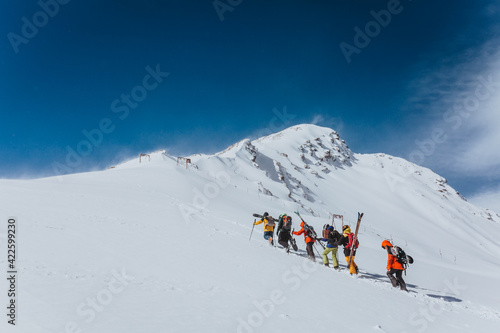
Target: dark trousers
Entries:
(283, 243)
(310, 251)
(283, 238)
(347, 253)
(398, 280)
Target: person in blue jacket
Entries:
(333, 241)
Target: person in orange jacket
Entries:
(394, 267)
(269, 224)
(309, 241)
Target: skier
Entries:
(394, 267)
(333, 240)
(283, 231)
(268, 227)
(280, 223)
(347, 241)
(309, 241)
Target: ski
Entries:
(355, 238)
(269, 217)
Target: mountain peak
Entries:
(303, 131)
(320, 144)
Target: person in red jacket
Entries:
(309, 241)
(348, 242)
(394, 267)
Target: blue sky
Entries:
(67, 70)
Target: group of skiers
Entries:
(397, 259)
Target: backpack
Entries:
(351, 239)
(284, 225)
(401, 256)
(270, 221)
(326, 231)
(337, 237)
(310, 231)
(280, 223)
(287, 225)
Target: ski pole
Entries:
(319, 255)
(321, 244)
(252, 230)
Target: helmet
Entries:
(345, 227)
(265, 214)
(385, 244)
(330, 228)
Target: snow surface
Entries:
(158, 247)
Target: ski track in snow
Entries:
(422, 295)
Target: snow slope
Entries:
(158, 247)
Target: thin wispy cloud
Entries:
(317, 119)
(461, 99)
(489, 199)
(326, 120)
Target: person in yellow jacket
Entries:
(348, 241)
(269, 224)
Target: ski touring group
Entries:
(397, 260)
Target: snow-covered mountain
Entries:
(156, 245)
